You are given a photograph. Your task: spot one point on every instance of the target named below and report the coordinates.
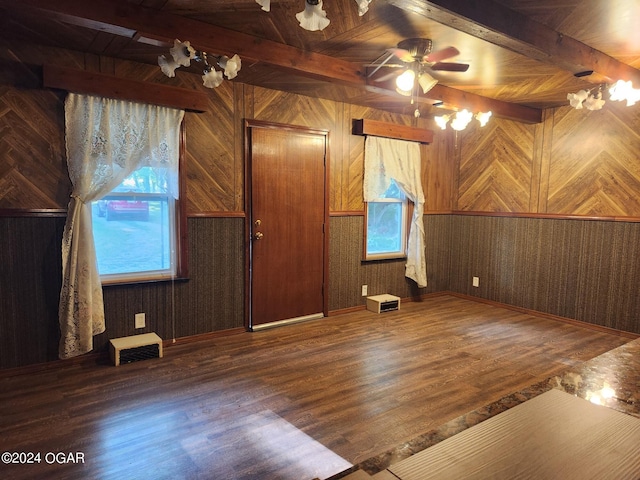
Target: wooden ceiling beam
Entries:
(110, 86)
(127, 19)
(449, 98)
(134, 21)
(497, 24)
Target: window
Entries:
(386, 221)
(135, 230)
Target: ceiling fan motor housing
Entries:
(417, 47)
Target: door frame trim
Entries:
(248, 125)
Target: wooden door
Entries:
(287, 224)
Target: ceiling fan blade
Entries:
(402, 54)
(388, 76)
(381, 64)
(450, 67)
(440, 55)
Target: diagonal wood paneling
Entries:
(212, 165)
(592, 171)
(33, 171)
(496, 167)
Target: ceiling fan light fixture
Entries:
(406, 81)
(426, 82)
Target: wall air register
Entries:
(383, 303)
(135, 348)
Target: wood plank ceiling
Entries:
(523, 54)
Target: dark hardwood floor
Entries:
(296, 402)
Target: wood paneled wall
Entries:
(33, 175)
(577, 162)
(30, 281)
(581, 269)
(347, 271)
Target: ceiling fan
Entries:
(416, 56)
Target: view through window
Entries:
(386, 225)
(134, 229)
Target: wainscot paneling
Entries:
(211, 300)
(30, 280)
(586, 270)
(347, 271)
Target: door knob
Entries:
(258, 236)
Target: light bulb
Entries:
(405, 81)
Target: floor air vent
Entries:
(135, 348)
(383, 303)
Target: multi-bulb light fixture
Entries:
(592, 99)
(406, 84)
(181, 55)
(461, 119)
(313, 17)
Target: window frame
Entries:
(407, 212)
(180, 227)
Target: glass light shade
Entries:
(441, 121)
(483, 117)
(461, 120)
(231, 65)
(212, 78)
(594, 102)
(405, 81)
(313, 18)
(576, 99)
(363, 6)
(426, 82)
(168, 67)
(622, 90)
(182, 52)
(633, 97)
(265, 4)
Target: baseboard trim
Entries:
(289, 321)
(340, 311)
(550, 316)
(204, 336)
(102, 357)
(528, 311)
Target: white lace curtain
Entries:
(386, 159)
(106, 141)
